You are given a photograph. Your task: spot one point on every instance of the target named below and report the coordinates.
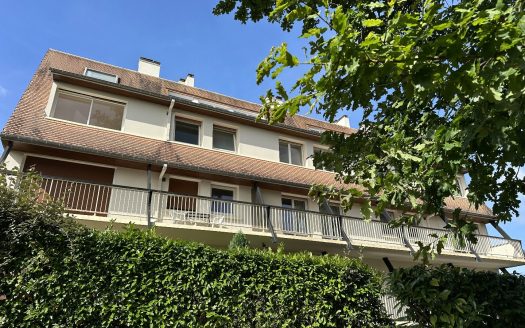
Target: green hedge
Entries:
(56, 273)
(448, 296)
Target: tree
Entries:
(440, 84)
(446, 296)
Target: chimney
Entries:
(189, 80)
(149, 67)
(343, 121)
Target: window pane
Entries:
(101, 76)
(106, 114)
(72, 108)
(283, 152)
(299, 204)
(296, 153)
(223, 139)
(186, 132)
(222, 194)
(286, 202)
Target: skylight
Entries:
(101, 76)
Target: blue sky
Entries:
(183, 35)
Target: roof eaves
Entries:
(115, 155)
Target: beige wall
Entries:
(150, 120)
(140, 118)
(14, 160)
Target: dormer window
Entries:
(315, 128)
(101, 75)
(85, 109)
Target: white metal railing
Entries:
(111, 200)
(393, 309)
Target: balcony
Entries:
(172, 210)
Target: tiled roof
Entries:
(29, 124)
(134, 79)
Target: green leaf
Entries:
(372, 22)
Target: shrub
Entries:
(448, 296)
(239, 240)
(56, 273)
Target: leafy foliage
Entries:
(447, 296)
(55, 273)
(441, 86)
(239, 240)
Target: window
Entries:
(290, 153)
(319, 166)
(294, 220)
(187, 131)
(88, 110)
(386, 216)
(101, 76)
(330, 224)
(223, 196)
(223, 138)
(329, 208)
(180, 202)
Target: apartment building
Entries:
(120, 145)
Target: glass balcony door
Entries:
(294, 220)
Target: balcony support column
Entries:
(150, 194)
(500, 230)
(473, 251)
(405, 239)
(388, 264)
(517, 247)
(6, 152)
(344, 235)
(159, 187)
(270, 225)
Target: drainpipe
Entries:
(6, 152)
(164, 168)
(150, 193)
(168, 124)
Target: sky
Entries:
(184, 36)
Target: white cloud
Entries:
(3, 91)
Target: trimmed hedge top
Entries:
(55, 273)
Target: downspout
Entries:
(150, 193)
(168, 124)
(161, 176)
(6, 152)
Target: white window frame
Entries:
(86, 69)
(189, 120)
(91, 98)
(224, 128)
(225, 186)
(165, 186)
(294, 198)
(289, 143)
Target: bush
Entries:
(239, 240)
(56, 273)
(448, 296)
